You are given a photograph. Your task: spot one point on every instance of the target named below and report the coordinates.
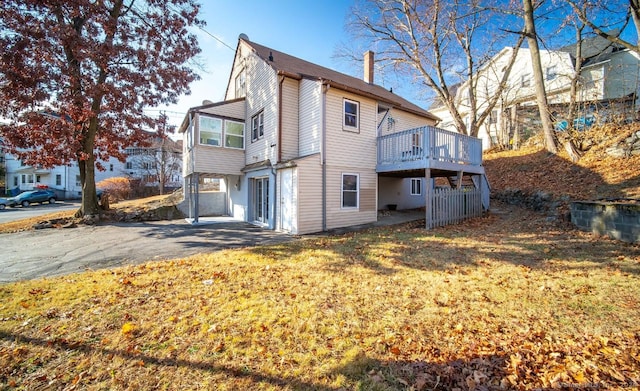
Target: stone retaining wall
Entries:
(619, 220)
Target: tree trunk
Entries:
(538, 76)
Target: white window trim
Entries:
(342, 190)
(259, 116)
(200, 117)
(417, 186)
(346, 127)
(224, 133)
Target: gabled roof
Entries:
(300, 69)
(595, 49)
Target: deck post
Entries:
(428, 194)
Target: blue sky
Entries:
(311, 30)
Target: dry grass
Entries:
(502, 302)
(141, 204)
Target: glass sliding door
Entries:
(261, 200)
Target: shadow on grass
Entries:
(491, 371)
(362, 371)
(515, 236)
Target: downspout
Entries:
(323, 155)
(279, 146)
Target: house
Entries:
(157, 166)
(609, 76)
(158, 163)
(64, 180)
(301, 148)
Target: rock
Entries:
(616, 151)
(91, 219)
(43, 225)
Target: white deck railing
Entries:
(429, 143)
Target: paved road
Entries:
(48, 252)
(12, 214)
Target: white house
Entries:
(302, 148)
(157, 165)
(609, 74)
(63, 180)
(162, 159)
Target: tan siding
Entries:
(346, 148)
(232, 110)
(366, 213)
(310, 117)
(261, 95)
(217, 160)
(289, 119)
(309, 194)
(404, 121)
(350, 152)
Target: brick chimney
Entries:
(368, 67)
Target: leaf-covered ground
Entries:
(596, 175)
(506, 301)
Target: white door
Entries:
(286, 200)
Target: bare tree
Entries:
(157, 163)
(587, 11)
(442, 43)
(538, 76)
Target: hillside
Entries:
(532, 170)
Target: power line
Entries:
(216, 38)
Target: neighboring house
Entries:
(161, 162)
(63, 180)
(610, 75)
(157, 166)
(301, 148)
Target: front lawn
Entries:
(507, 301)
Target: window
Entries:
(210, 131)
(15, 181)
(24, 179)
(58, 180)
(37, 178)
(78, 182)
(30, 178)
(241, 84)
(416, 186)
(350, 188)
(493, 117)
(351, 115)
(525, 81)
(129, 166)
(111, 167)
(233, 134)
(257, 126)
(551, 72)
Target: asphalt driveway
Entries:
(49, 252)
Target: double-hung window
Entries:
(551, 72)
(350, 190)
(351, 117)
(416, 186)
(241, 84)
(257, 126)
(210, 131)
(233, 134)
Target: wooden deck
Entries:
(404, 153)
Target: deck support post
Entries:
(428, 194)
(459, 182)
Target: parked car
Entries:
(3, 203)
(29, 197)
